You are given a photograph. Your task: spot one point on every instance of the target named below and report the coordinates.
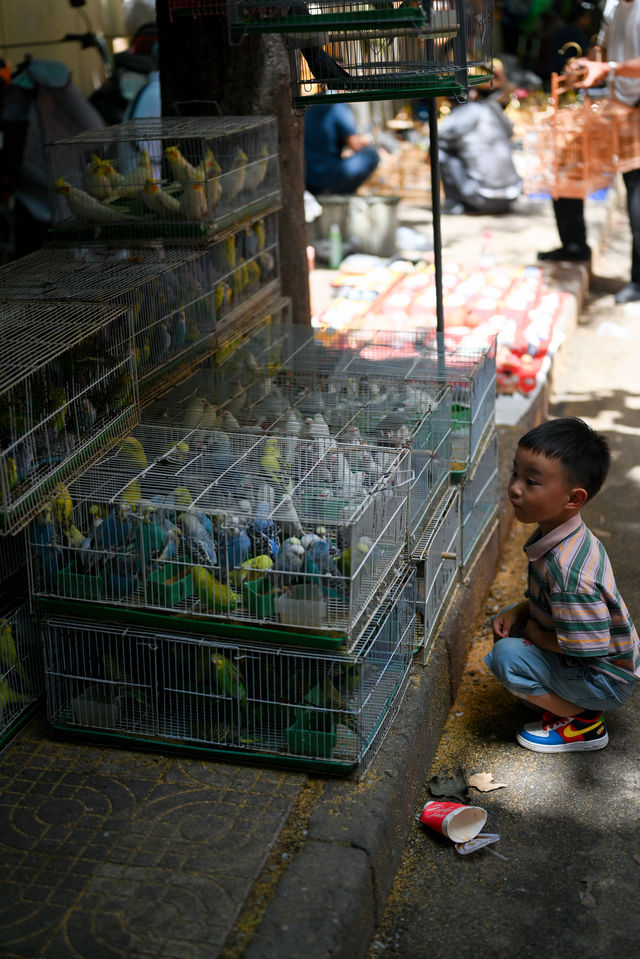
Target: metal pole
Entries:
(435, 208)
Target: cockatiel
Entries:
(234, 179)
(98, 183)
(213, 182)
(158, 201)
(181, 169)
(257, 170)
(87, 207)
(193, 203)
(133, 182)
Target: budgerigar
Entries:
(234, 546)
(47, 549)
(344, 562)
(62, 506)
(132, 452)
(9, 659)
(263, 532)
(213, 595)
(319, 562)
(158, 200)
(289, 563)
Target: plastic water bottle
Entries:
(335, 246)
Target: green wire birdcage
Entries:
(360, 51)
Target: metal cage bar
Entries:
(439, 559)
(212, 525)
(171, 178)
(21, 676)
(68, 391)
(253, 701)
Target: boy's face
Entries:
(540, 492)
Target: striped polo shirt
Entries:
(572, 592)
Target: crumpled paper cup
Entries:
(458, 822)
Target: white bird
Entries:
(133, 182)
(87, 207)
(257, 170)
(234, 179)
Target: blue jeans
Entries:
(348, 173)
(526, 670)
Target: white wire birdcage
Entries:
(179, 179)
(68, 391)
(479, 499)
(355, 51)
(438, 556)
(21, 676)
(300, 707)
(284, 382)
(415, 357)
(200, 400)
(178, 298)
(218, 526)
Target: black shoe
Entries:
(572, 253)
(628, 294)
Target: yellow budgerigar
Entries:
(9, 660)
(62, 506)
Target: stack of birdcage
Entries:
(163, 244)
(235, 560)
(357, 50)
(376, 390)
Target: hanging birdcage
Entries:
(212, 524)
(68, 391)
(362, 51)
(178, 179)
(320, 709)
(572, 149)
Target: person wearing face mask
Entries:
(619, 66)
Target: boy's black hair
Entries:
(584, 454)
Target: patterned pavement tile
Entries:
(108, 852)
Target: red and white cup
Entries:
(458, 822)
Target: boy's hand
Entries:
(505, 621)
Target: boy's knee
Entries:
(506, 658)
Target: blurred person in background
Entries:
(337, 158)
(475, 151)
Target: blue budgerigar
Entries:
(319, 562)
(289, 563)
(47, 550)
(263, 532)
(234, 547)
(196, 541)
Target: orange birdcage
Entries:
(572, 150)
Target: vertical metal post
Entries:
(437, 235)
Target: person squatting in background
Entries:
(337, 158)
(475, 153)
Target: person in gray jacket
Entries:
(475, 154)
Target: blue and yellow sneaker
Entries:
(564, 734)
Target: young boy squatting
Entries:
(570, 648)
